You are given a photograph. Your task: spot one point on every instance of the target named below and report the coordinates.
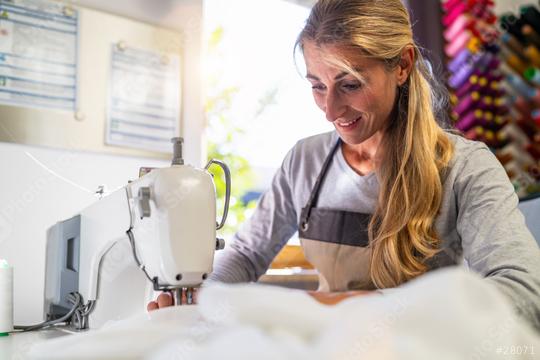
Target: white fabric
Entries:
(446, 314)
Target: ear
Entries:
(405, 65)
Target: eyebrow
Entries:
(337, 77)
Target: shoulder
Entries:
(313, 149)
(320, 143)
(464, 147)
(474, 166)
(469, 153)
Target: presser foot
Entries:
(183, 296)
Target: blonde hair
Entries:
(416, 151)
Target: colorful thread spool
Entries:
(467, 103)
(521, 87)
(471, 119)
(533, 75)
(532, 53)
(464, 21)
(530, 34)
(453, 47)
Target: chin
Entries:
(352, 139)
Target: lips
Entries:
(349, 123)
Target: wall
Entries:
(40, 186)
(185, 16)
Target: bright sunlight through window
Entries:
(250, 60)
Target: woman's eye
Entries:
(318, 87)
(351, 86)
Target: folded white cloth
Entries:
(445, 314)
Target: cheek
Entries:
(365, 102)
(380, 102)
(390, 99)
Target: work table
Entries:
(16, 345)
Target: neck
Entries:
(362, 158)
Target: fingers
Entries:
(164, 299)
(152, 305)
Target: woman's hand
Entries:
(165, 299)
(332, 298)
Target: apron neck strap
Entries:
(315, 192)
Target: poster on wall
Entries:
(144, 100)
(38, 54)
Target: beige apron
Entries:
(336, 242)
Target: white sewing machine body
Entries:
(160, 227)
(175, 242)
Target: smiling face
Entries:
(358, 109)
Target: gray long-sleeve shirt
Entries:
(479, 222)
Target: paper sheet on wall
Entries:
(144, 102)
(38, 54)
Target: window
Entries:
(272, 103)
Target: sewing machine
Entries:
(156, 233)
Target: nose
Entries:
(335, 107)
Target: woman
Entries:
(389, 195)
